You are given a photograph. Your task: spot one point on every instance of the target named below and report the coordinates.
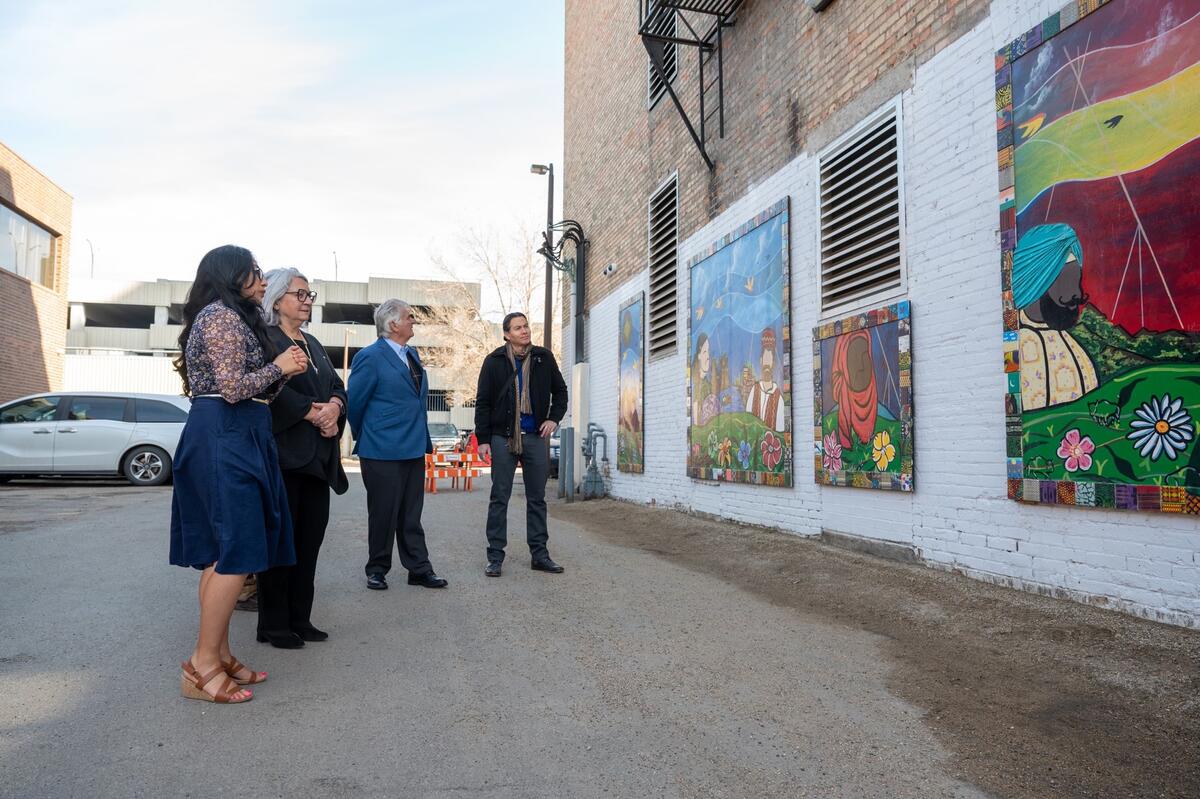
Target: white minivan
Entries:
(95, 433)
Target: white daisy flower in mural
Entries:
(1162, 427)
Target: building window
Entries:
(114, 314)
(336, 313)
(862, 227)
(438, 400)
(656, 88)
(26, 248)
(663, 251)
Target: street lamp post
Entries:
(548, 169)
(347, 332)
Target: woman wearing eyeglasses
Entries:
(229, 514)
(307, 417)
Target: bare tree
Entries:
(512, 278)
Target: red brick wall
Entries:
(794, 80)
(33, 333)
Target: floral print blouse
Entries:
(224, 357)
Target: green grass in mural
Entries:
(1114, 352)
(858, 458)
(629, 448)
(706, 444)
(1104, 416)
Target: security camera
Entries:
(608, 270)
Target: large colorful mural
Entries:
(1099, 150)
(739, 358)
(862, 413)
(630, 441)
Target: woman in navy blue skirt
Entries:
(229, 514)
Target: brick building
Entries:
(35, 244)
(911, 94)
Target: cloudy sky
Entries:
(376, 128)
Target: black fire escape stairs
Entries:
(665, 22)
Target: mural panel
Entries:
(629, 387)
(1099, 147)
(862, 412)
(739, 358)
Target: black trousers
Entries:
(285, 593)
(395, 498)
(535, 468)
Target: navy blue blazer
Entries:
(387, 409)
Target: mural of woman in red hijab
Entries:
(854, 388)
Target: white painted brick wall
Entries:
(959, 517)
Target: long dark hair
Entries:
(220, 276)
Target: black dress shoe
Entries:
(287, 640)
(376, 582)
(311, 633)
(429, 580)
(546, 565)
(493, 568)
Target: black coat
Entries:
(495, 396)
(301, 446)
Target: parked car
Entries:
(444, 436)
(95, 433)
(554, 447)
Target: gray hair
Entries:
(389, 311)
(278, 281)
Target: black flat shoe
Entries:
(281, 640)
(376, 582)
(546, 565)
(493, 568)
(430, 580)
(311, 633)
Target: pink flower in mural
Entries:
(772, 450)
(1077, 451)
(831, 458)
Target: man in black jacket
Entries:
(520, 400)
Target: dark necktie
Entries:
(413, 367)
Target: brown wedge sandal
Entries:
(191, 685)
(233, 666)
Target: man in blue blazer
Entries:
(388, 388)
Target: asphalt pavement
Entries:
(627, 676)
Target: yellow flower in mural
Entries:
(883, 451)
(724, 457)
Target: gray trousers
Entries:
(535, 468)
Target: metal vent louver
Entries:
(657, 88)
(861, 216)
(663, 252)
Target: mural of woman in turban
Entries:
(1047, 284)
(854, 387)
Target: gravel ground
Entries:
(632, 675)
(1035, 697)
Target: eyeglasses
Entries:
(258, 274)
(303, 295)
